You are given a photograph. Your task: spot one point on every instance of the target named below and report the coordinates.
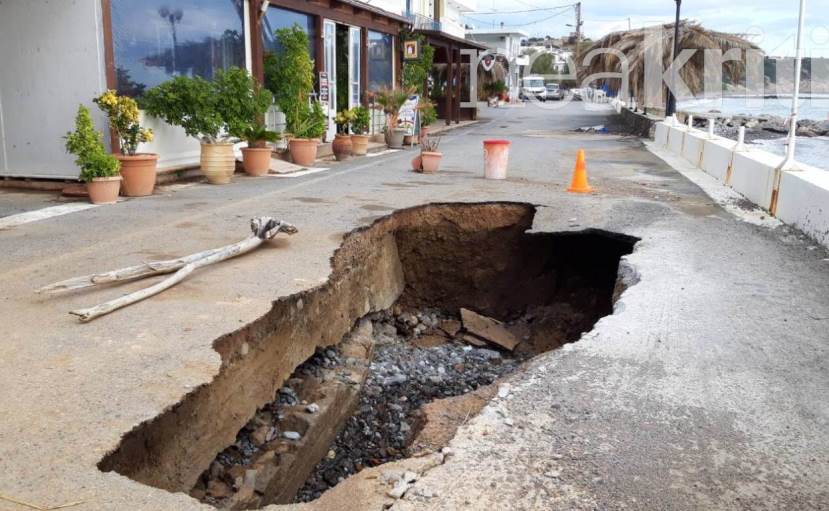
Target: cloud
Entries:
(769, 23)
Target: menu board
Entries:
(407, 114)
(324, 89)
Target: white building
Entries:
(504, 42)
(440, 15)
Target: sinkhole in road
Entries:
(422, 311)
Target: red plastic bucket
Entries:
(496, 158)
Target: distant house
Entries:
(504, 42)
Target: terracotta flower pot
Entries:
(430, 161)
(342, 147)
(256, 160)
(408, 139)
(303, 151)
(218, 162)
(359, 145)
(104, 190)
(138, 172)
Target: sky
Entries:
(771, 24)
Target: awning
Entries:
(436, 36)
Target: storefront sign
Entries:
(324, 87)
(411, 50)
(407, 116)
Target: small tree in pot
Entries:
(256, 157)
(390, 100)
(289, 74)
(214, 112)
(138, 170)
(99, 169)
(359, 130)
(342, 146)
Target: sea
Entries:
(810, 150)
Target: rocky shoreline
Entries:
(758, 127)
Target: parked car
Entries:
(533, 87)
(553, 91)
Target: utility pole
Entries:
(578, 36)
(670, 108)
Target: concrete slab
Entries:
(752, 174)
(803, 201)
(716, 159)
(705, 390)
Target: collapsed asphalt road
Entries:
(704, 390)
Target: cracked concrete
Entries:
(705, 390)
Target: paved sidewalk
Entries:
(705, 390)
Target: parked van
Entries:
(533, 87)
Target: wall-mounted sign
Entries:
(487, 62)
(411, 50)
(324, 87)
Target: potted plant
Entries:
(289, 74)
(256, 157)
(138, 170)
(390, 100)
(359, 129)
(342, 146)
(428, 115)
(253, 101)
(309, 126)
(99, 169)
(214, 112)
(429, 155)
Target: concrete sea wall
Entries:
(799, 198)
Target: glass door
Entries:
(354, 44)
(330, 54)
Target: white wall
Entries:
(802, 195)
(52, 57)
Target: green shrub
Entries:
(240, 101)
(428, 114)
(289, 75)
(362, 119)
(416, 71)
(211, 111)
(344, 120)
(257, 135)
(312, 123)
(88, 147)
(122, 112)
(188, 102)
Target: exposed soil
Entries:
(434, 260)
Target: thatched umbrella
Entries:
(632, 43)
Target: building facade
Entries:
(507, 43)
(57, 55)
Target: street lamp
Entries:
(670, 108)
(172, 17)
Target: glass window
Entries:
(154, 40)
(380, 60)
(277, 18)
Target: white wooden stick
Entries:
(130, 273)
(264, 228)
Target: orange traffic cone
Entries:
(579, 183)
